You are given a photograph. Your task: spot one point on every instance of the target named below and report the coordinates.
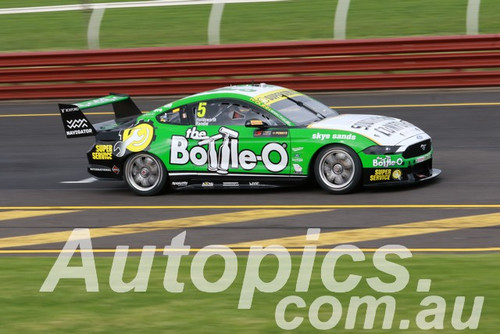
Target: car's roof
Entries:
(261, 94)
(250, 90)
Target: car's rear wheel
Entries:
(338, 169)
(145, 174)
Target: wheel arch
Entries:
(312, 161)
(164, 184)
(349, 182)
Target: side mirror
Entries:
(256, 123)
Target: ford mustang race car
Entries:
(248, 136)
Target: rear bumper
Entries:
(105, 171)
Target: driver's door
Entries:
(232, 137)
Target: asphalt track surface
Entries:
(457, 212)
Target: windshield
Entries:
(302, 110)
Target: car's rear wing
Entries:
(77, 125)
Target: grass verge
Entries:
(71, 309)
(241, 23)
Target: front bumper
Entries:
(434, 173)
(390, 176)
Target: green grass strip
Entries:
(71, 309)
(241, 23)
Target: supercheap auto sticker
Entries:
(275, 96)
(135, 139)
(385, 175)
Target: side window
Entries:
(210, 112)
(228, 112)
(173, 116)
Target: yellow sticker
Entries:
(381, 175)
(138, 137)
(275, 96)
(202, 109)
(397, 174)
(103, 152)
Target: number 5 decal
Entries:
(202, 109)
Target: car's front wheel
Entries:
(145, 174)
(338, 169)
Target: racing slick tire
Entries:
(145, 174)
(338, 169)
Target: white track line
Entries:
(87, 180)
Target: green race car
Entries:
(249, 136)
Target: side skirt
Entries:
(190, 180)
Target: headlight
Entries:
(380, 150)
